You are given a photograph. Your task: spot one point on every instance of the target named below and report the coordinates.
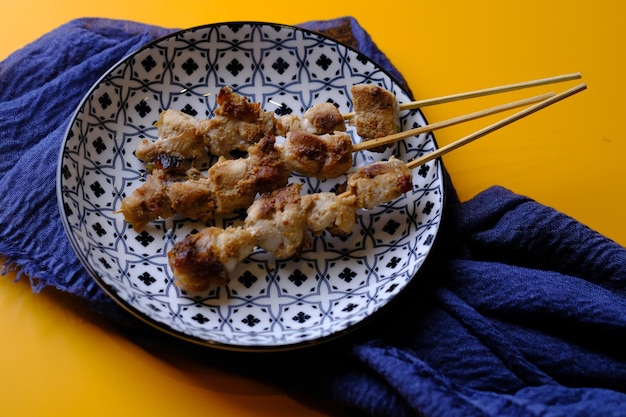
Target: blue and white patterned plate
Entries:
(268, 304)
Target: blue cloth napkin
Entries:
(520, 310)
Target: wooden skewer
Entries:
(401, 135)
(385, 140)
(491, 128)
(483, 92)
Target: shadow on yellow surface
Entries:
(59, 342)
(59, 359)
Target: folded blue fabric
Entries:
(40, 87)
(520, 310)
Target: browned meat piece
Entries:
(278, 223)
(323, 118)
(231, 184)
(180, 136)
(331, 212)
(231, 104)
(266, 168)
(238, 123)
(206, 258)
(151, 200)
(375, 112)
(287, 123)
(320, 119)
(237, 181)
(194, 197)
(326, 156)
(380, 182)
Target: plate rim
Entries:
(164, 328)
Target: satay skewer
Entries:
(279, 222)
(233, 183)
(330, 157)
(386, 140)
(495, 126)
(482, 92)
(239, 123)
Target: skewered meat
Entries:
(323, 118)
(331, 212)
(320, 119)
(236, 125)
(375, 112)
(232, 184)
(192, 198)
(235, 183)
(180, 137)
(326, 156)
(379, 183)
(151, 200)
(213, 253)
(279, 222)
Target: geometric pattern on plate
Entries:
(268, 303)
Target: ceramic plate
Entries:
(268, 303)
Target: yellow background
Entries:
(57, 359)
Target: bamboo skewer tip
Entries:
(385, 140)
(483, 92)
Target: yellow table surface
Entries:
(57, 359)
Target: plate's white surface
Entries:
(268, 303)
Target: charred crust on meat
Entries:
(326, 118)
(375, 112)
(237, 106)
(269, 170)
